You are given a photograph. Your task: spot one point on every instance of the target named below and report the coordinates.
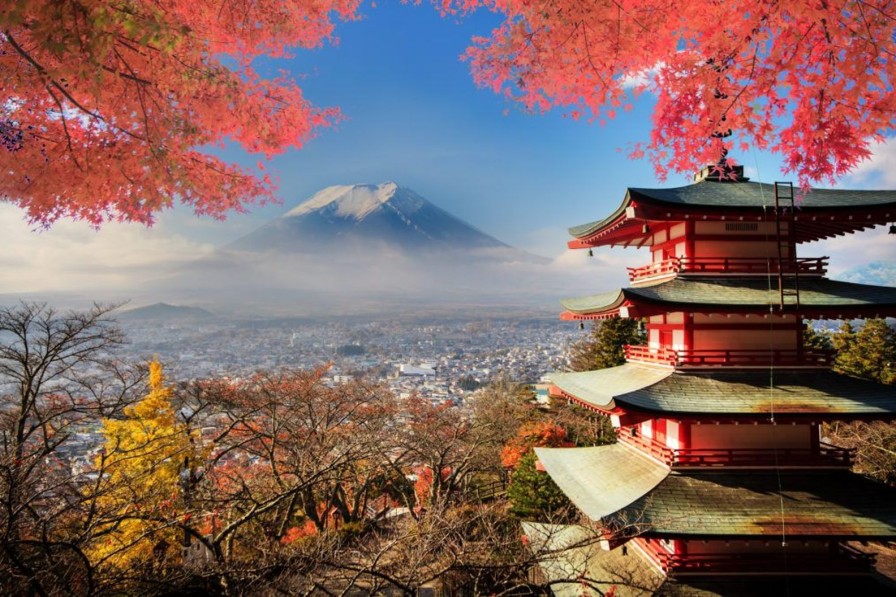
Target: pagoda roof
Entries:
(602, 480)
(753, 200)
(739, 391)
(836, 504)
(817, 297)
(638, 495)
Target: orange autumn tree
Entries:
(540, 434)
(807, 79)
(116, 100)
(532, 493)
(292, 450)
(139, 492)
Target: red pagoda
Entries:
(721, 470)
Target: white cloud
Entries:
(73, 257)
(604, 271)
(879, 169)
(853, 250)
(641, 79)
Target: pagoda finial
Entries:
(721, 171)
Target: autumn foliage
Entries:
(809, 80)
(278, 482)
(542, 434)
(140, 470)
(108, 107)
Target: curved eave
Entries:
(589, 229)
(634, 388)
(822, 213)
(597, 306)
(601, 388)
(602, 480)
(819, 298)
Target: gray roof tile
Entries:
(658, 389)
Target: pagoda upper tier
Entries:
(646, 216)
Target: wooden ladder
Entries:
(784, 208)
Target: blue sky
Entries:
(414, 116)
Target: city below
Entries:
(440, 358)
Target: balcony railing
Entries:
(826, 455)
(808, 266)
(844, 561)
(744, 357)
(648, 354)
(652, 447)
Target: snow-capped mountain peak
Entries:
(366, 215)
(347, 201)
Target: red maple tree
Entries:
(109, 107)
(109, 104)
(811, 80)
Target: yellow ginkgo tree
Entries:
(145, 457)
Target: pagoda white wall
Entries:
(750, 436)
(666, 244)
(665, 431)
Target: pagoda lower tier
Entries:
(572, 552)
(717, 522)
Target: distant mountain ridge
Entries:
(163, 311)
(364, 215)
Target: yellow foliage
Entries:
(143, 458)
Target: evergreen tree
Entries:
(869, 353)
(816, 340)
(532, 493)
(604, 346)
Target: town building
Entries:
(721, 479)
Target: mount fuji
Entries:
(356, 248)
(368, 216)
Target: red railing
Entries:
(652, 447)
(808, 266)
(737, 357)
(845, 560)
(647, 354)
(654, 270)
(826, 455)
